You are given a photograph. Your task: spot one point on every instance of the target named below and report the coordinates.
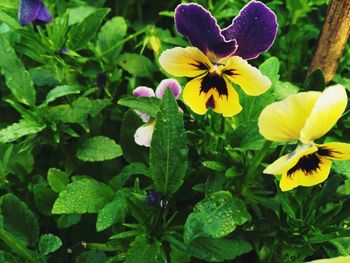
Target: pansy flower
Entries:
(143, 135)
(33, 11)
(218, 56)
(305, 117)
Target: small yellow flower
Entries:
(305, 117)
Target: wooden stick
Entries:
(334, 35)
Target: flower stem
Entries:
(125, 40)
(221, 135)
(18, 248)
(255, 164)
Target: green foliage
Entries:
(83, 196)
(98, 149)
(17, 77)
(72, 176)
(216, 217)
(168, 156)
(49, 243)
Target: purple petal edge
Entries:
(33, 11)
(44, 15)
(255, 30)
(168, 83)
(143, 91)
(202, 31)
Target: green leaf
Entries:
(18, 79)
(169, 152)
(149, 105)
(92, 257)
(270, 69)
(215, 166)
(60, 91)
(19, 220)
(113, 212)
(117, 182)
(44, 198)
(66, 221)
(57, 179)
(49, 243)
(142, 251)
(80, 34)
(20, 129)
(99, 148)
(218, 250)
(137, 65)
(315, 81)
(178, 255)
(83, 196)
(111, 33)
(215, 216)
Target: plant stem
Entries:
(18, 248)
(222, 132)
(124, 40)
(102, 247)
(255, 164)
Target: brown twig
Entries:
(333, 39)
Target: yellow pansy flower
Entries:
(305, 117)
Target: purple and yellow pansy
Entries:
(305, 117)
(143, 135)
(33, 11)
(218, 56)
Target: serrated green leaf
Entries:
(169, 151)
(215, 216)
(149, 105)
(80, 34)
(44, 198)
(19, 220)
(57, 179)
(49, 243)
(83, 196)
(66, 221)
(18, 79)
(99, 148)
(113, 212)
(60, 91)
(142, 251)
(92, 257)
(20, 129)
(218, 250)
(111, 33)
(137, 65)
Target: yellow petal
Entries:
(283, 120)
(246, 76)
(184, 62)
(327, 110)
(335, 150)
(228, 105)
(305, 177)
(194, 98)
(345, 259)
(199, 101)
(287, 161)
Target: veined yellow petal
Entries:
(304, 177)
(184, 62)
(194, 98)
(335, 150)
(246, 76)
(200, 94)
(287, 161)
(283, 120)
(228, 105)
(327, 110)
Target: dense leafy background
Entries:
(72, 177)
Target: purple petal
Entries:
(31, 11)
(143, 91)
(254, 29)
(144, 116)
(202, 31)
(44, 15)
(168, 83)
